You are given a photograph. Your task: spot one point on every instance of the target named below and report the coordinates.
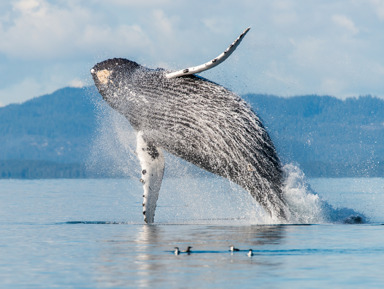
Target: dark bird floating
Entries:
(233, 249)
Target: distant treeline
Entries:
(24, 169)
(326, 136)
(343, 170)
(31, 169)
(52, 136)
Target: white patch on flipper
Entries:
(152, 170)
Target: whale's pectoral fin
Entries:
(152, 170)
(212, 63)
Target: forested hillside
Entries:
(48, 135)
(53, 127)
(51, 136)
(325, 135)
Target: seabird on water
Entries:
(177, 250)
(233, 249)
(188, 250)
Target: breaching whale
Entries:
(196, 120)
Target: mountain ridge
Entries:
(325, 136)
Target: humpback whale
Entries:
(194, 119)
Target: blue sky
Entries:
(332, 47)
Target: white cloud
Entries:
(123, 39)
(39, 30)
(378, 7)
(139, 3)
(26, 6)
(282, 4)
(43, 79)
(345, 22)
(215, 24)
(21, 91)
(284, 13)
(309, 51)
(332, 86)
(329, 46)
(77, 83)
(163, 23)
(42, 30)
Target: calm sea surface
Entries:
(90, 234)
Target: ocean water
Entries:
(90, 234)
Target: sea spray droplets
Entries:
(113, 153)
(113, 149)
(305, 206)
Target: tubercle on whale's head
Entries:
(109, 75)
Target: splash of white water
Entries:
(113, 154)
(113, 149)
(307, 207)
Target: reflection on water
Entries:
(147, 236)
(89, 234)
(143, 255)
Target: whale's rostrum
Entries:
(194, 119)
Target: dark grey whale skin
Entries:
(199, 121)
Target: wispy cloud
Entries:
(345, 22)
(42, 30)
(76, 83)
(378, 8)
(324, 47)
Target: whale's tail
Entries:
(273, 202)
(263, 176)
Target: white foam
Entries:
(212, 199)
(307, 207)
